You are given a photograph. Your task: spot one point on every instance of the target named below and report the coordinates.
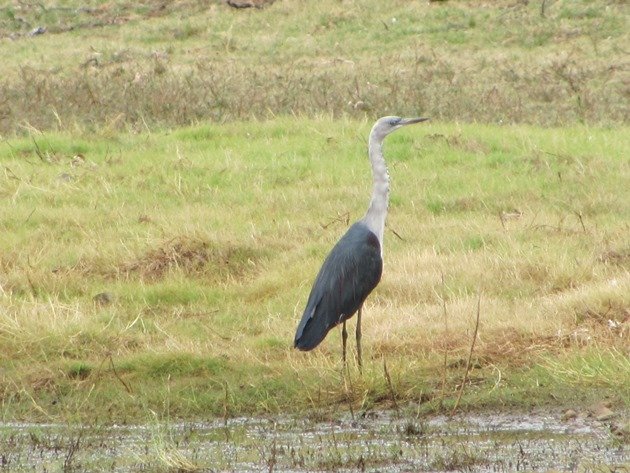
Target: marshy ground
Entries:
(374, 441)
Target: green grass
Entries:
(207, 239)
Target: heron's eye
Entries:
(394, 121)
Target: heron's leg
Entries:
(344, 338)
(360, 361)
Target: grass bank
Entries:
(167, 271)
(124, 65)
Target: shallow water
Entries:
(376, 442)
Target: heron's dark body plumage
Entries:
(350, 272)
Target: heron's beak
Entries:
(410, 121)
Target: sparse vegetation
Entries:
(375, 442)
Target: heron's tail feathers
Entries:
(311, 330)
(309, 341)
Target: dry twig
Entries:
(391, 387)
(468, 363)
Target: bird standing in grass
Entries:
(354, 266)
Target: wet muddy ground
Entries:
(375, 441)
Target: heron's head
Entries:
(384, 126)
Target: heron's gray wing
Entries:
(350, 272)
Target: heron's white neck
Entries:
(377, 212)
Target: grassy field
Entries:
(172, 179)
(207, 239)
(123, 65)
